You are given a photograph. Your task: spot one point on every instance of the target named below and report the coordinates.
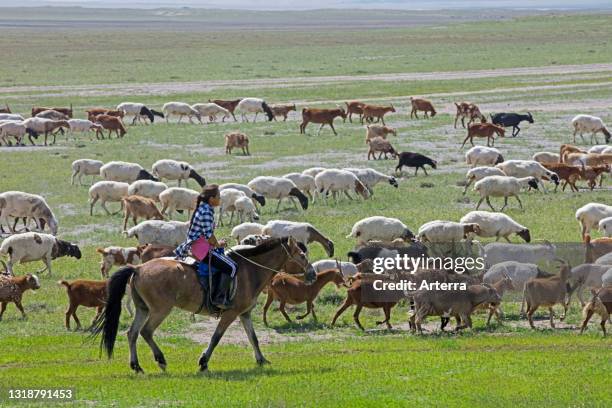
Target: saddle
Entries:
(218, 289)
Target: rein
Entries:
(266, 267)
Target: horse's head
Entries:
(297, 254)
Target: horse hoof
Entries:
(137, 369)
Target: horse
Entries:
(161, 284)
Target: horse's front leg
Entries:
(227, 318)
(247, 323)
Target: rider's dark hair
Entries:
(208, 192)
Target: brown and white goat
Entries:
(423, 105)
(239, 140)
(601, 304)
(380, 145)
(289, 289)
(118, 256)
(83, 292)
(468, 110)
(12, 289)
(139, 207)
(230, 105)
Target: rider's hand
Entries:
(221, 243)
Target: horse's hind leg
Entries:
(247, 323)
(227, 318)
(154, 320)
(139, 321)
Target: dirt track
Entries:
(207, 86)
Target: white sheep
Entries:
(147, 188)
(18, 204)
(502, 186)
(181, 109)
(379, 228)
(228, 200)
(278, 188)
(478, 173)
(301, 231)
(446, 231)
(305, 183)
(586, 275)
(335, 180)
(138, 110)
(13, 129)
(178, 199)
(494, 224)
(256, 197)
(590, 214)
(601, 149)
(125, 172)
(246, 209)
(176, 170)
(83, 126)
(546, 157)
(170, 233)
(11, 116)
(498, 252)
(253, 105)
(107, 191)
(588, 123)
(239, 232)
(211, 110)
(605, 226)
(483, 156)
(313, 171)
(348, 268)
(370, 177)
(85, 167)
(34, 246)
(528, 168)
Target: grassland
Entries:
(312, 363)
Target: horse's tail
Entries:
(108, 321)
(268, 111)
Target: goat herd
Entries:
(139, 191)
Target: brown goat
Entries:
(468, 110)
(153, 251)
(112, 124)
(354, 297)
(289, 289)
(229, 105)
(487, 130)
(591, 173)
(66, 111)
(373, 131)
(547, 292)
(239, 140)
(136, 206)
(94, 112)
(569, 174)
(82, 292)
(282, 110)
(568, 148)
(421, 105)
(380, 145)
(12, 289)
(371, 112)
(355, 107)
(588, 159)
(500, 287)
(322, 116)
(601, 304)
(596, 248)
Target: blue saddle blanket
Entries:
(204, 270)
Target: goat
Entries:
(289, 289)
(82, 292)
(12, 289)
(237, 139)
(601, 304)
(547, 292)
(229, 105)
(483, 130)
(66, 111)
(467, 110)
(416, 160)
(511, 119)
(282, 110)
(322, 116)
(136, 206)
(380, 145)
(110, 123)
(376, 111)
(355, 107)
(421, 105)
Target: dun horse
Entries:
(162, 284)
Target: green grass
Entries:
(503, 365)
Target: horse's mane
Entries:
(265, 246)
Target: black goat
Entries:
(511, 120)
(416, 160)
